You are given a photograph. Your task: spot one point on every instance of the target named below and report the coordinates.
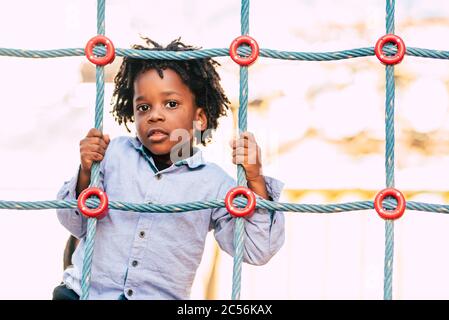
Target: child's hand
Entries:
(92, 148)
(247, 153)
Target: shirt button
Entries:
(142, 234)
(130, 292)
(135, 263)
(158, 176)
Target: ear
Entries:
(201, 119)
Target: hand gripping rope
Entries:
(103, 55)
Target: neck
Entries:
(178, 154)
(163, 159)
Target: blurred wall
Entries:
(320, 126)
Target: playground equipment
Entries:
(96, 209)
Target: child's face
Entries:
(168, 105)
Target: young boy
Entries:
(155, 256)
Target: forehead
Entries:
(150, 80)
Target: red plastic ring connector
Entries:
(110, 50)
(387, 214)
(237, 212)
(387, 59)
(101, 211)
(244, 61)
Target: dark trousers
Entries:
(61, 292)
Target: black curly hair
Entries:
(198, 74)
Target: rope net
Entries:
(388, 208)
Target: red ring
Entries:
(387, 214)
(110, 50)
(237, 212)
(244, 61)
(101, 211)
(390, 59)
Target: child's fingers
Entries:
(243, 142)
(248, 135)
(239, 151)
(240, 159)
(87, 148)
(243, 136)
(239, 155)
(94, 132)
(236, 143)
(97, 141)
(95, 156)
(107, 139)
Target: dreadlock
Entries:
(199, 75)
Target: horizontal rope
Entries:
(192, 206)
(212, 53)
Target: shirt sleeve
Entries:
(72, 219)
(264, 230)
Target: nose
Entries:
(156, 114)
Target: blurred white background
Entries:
(320, 126)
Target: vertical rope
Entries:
(241, 178)
(389, 157)
(95, 175)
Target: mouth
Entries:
(157, 135)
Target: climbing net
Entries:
(244, 50)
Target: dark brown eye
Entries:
(172, 104)
(143, 107)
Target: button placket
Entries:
(138, 247)
(156, 189)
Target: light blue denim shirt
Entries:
(156, 255)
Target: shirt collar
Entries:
(192, 162)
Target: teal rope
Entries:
(239, 226)
(95, 175)
(101, 17)
(239, 234)
(389, 157)
(224, 52)
(148, 208)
